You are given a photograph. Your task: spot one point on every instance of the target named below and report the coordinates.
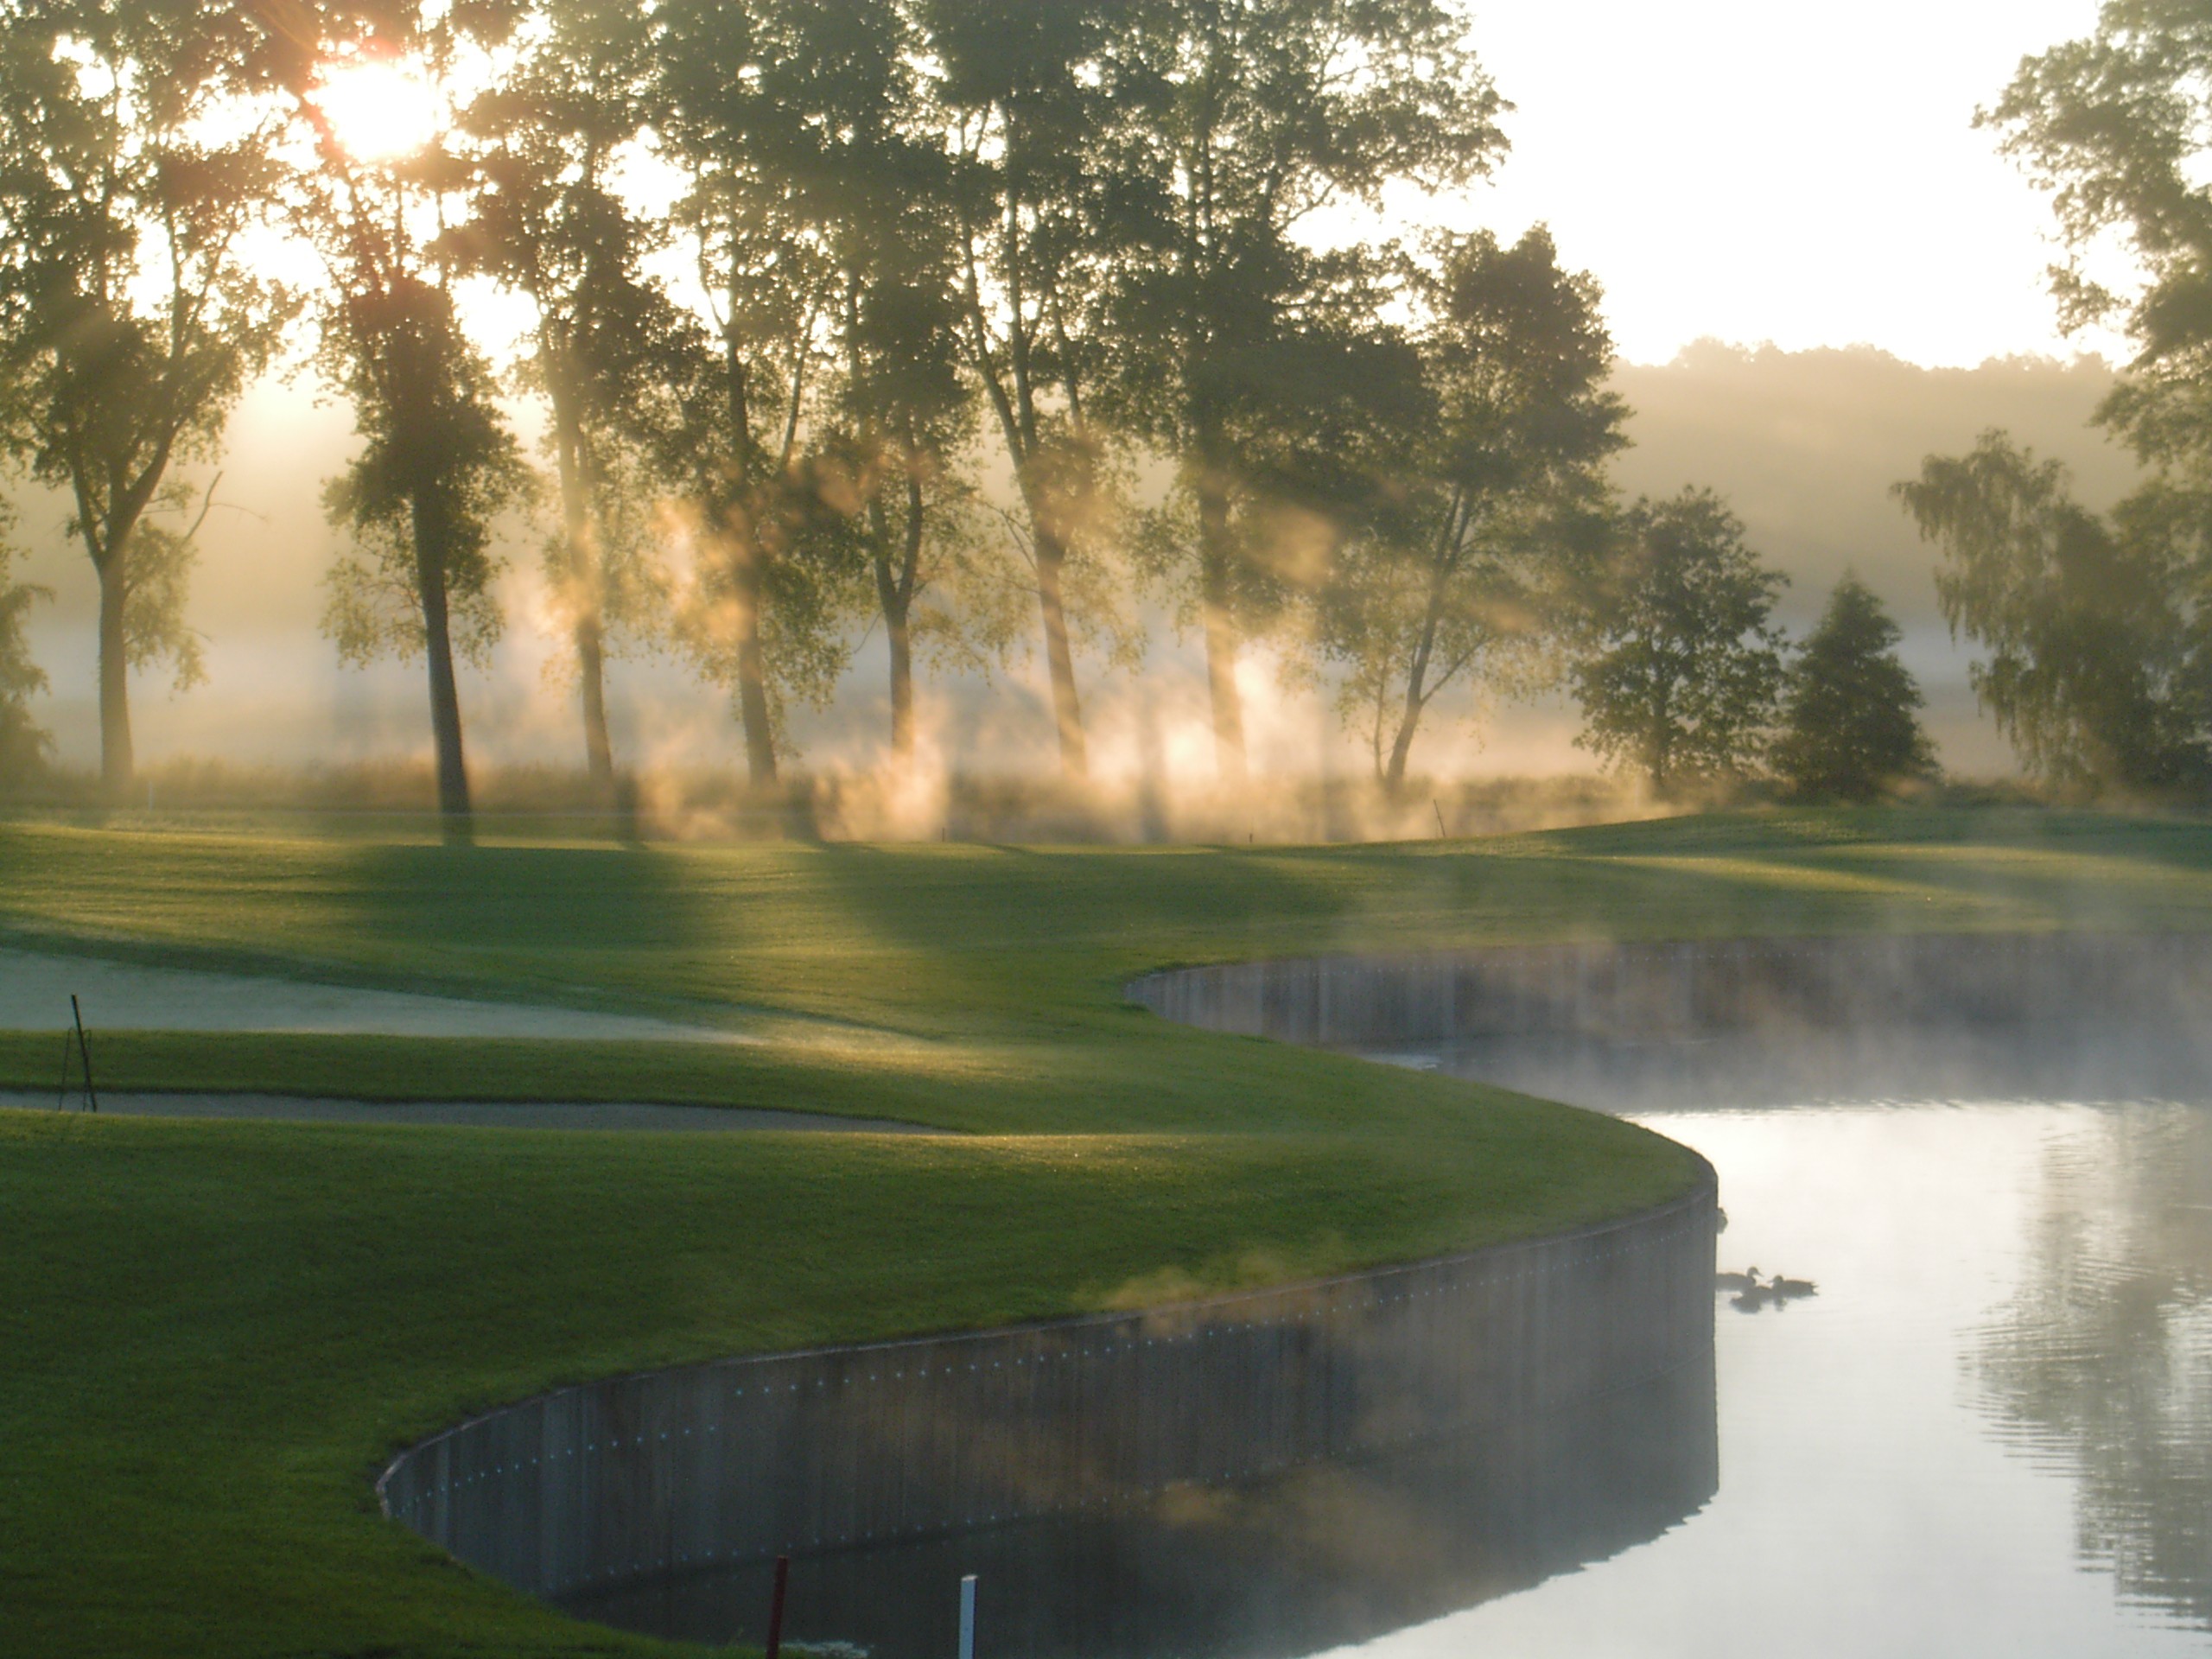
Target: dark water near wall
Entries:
(1324, 1556)
(1990, 1431)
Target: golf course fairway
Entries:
(215, 1333)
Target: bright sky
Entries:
(1773, 169)
(1751, 170)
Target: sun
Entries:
(379, 109)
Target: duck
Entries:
(1782, 1287)
(1737, 1281)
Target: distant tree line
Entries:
(953, 318)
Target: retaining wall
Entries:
(681, 1470)
(577, 1493)
(1627, 991)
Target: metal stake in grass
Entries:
(776, 1606)
(968, 1616)
(84, 1052)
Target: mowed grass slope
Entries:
(211, 1335)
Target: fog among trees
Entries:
(901, 389)
(1804, 447)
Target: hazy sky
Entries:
(1761, 169)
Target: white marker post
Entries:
(968, 1616)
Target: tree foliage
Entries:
(1685, 667)
(437, 463)
(970, 281)
(2097, 625)
(1237, 345)
(1851, 728)
(2115, 127)
(2097, 670)
(1469, 575)
(24, 745)
(132, 316)
(549, 220)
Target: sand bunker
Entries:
(35, 987)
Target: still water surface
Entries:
(1990, 1432)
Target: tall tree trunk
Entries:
(1394, 778)
(1216, 606)
(1060, 657)
(454, 807)
(591, 670)
(898, 631)
(894, 592)
(752, 662)
(747, 578)
(118, 764)
(577, 532)
(1417, 681)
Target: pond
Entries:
(1989, 1430)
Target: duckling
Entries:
(1735, 1280)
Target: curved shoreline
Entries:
(635, 1478)
(572, 1490)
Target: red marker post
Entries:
(776, 1606)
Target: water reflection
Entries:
(2100, 1361)
(1321, 1557)
(1991, 1432)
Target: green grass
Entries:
(211, 1335)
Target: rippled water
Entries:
(1989, 1433)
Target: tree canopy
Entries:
(1682, 678)
(2098, 667)
(132, 314)
(1850, 722)
(834, 313)
(23, 744)
(1469, 572)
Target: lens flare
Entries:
(379, 109)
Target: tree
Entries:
(2115, 127)
(1026, 90)
(24, 744)
(1466, 579)
(132, 314)
(773, 110)
(437, 463)
(2099, 670)
(899, 410)
(1240, 121)
(1684, 669)
(550, 222)
(1849, 730)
